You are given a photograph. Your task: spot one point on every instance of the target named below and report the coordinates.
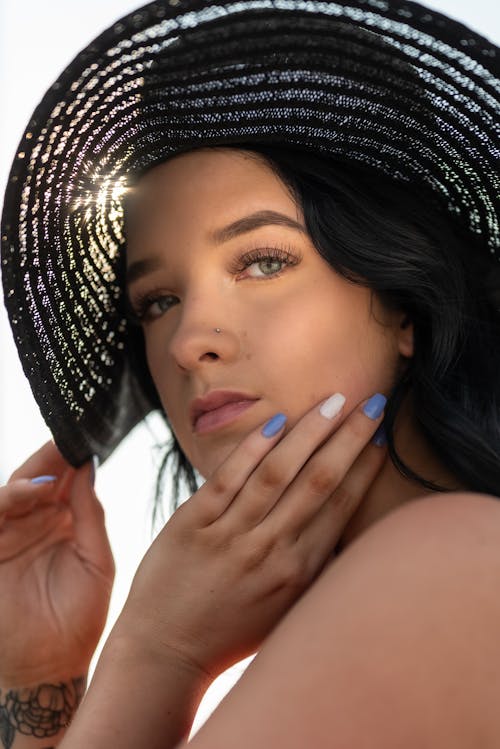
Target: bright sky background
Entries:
(37, 39)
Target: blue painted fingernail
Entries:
(374, 407)
(274, 425)
(380, 437)
(43, 479)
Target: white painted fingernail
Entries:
(332, 406)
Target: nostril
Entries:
(210, 355)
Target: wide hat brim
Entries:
(391, 86)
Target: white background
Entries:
(37, 39)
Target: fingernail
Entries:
(332, 406)
(374, 407)
(93, 469)
(380, 437)
(43, 479)
(274, 425)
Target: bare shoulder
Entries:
(396, 644)
(443, 516)
(432, 534)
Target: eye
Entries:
(265, 262)
(266, 267)
(151, 306)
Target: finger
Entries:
(48, 460)
(320, 537)
(89, 526)
(326, 469)
(279, 468)
(22, 495)
(220, 489)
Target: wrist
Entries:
(50, 668)
(39, 711)
(139, 696)
(134, 652)
(161, 642)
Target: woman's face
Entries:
(215, 241)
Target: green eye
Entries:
(269, 266)
(264, 262)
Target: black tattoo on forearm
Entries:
(38, 711)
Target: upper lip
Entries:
(216, 399)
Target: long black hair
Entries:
(417, 259)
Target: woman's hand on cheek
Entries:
(233, 559)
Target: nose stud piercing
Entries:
(217, 330)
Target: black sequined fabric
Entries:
(387, 84)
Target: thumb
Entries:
(89, 520)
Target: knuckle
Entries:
(252, 555)
(321, 479)
(293, 572)
(209, 541)
(219, 485)
(342, 498)
(270, 475)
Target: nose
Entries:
(205, 334)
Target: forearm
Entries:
(37, 717)
(137, 701)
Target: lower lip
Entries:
(219, 417)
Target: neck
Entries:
(390, 489)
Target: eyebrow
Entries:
(254, 221)
(235, 229)
(141, 268)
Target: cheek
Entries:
(159, 368)
(153, 358)
(326, 342)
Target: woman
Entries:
(281, 294)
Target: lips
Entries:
(218, 408)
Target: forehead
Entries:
(209, 187)
(194, 168)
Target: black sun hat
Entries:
(385, 84)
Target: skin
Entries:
(355, 652)
(284, 338)
(56, 568)
(56, 576)
(377, 654)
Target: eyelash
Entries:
(138, 309)
(282, 254)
